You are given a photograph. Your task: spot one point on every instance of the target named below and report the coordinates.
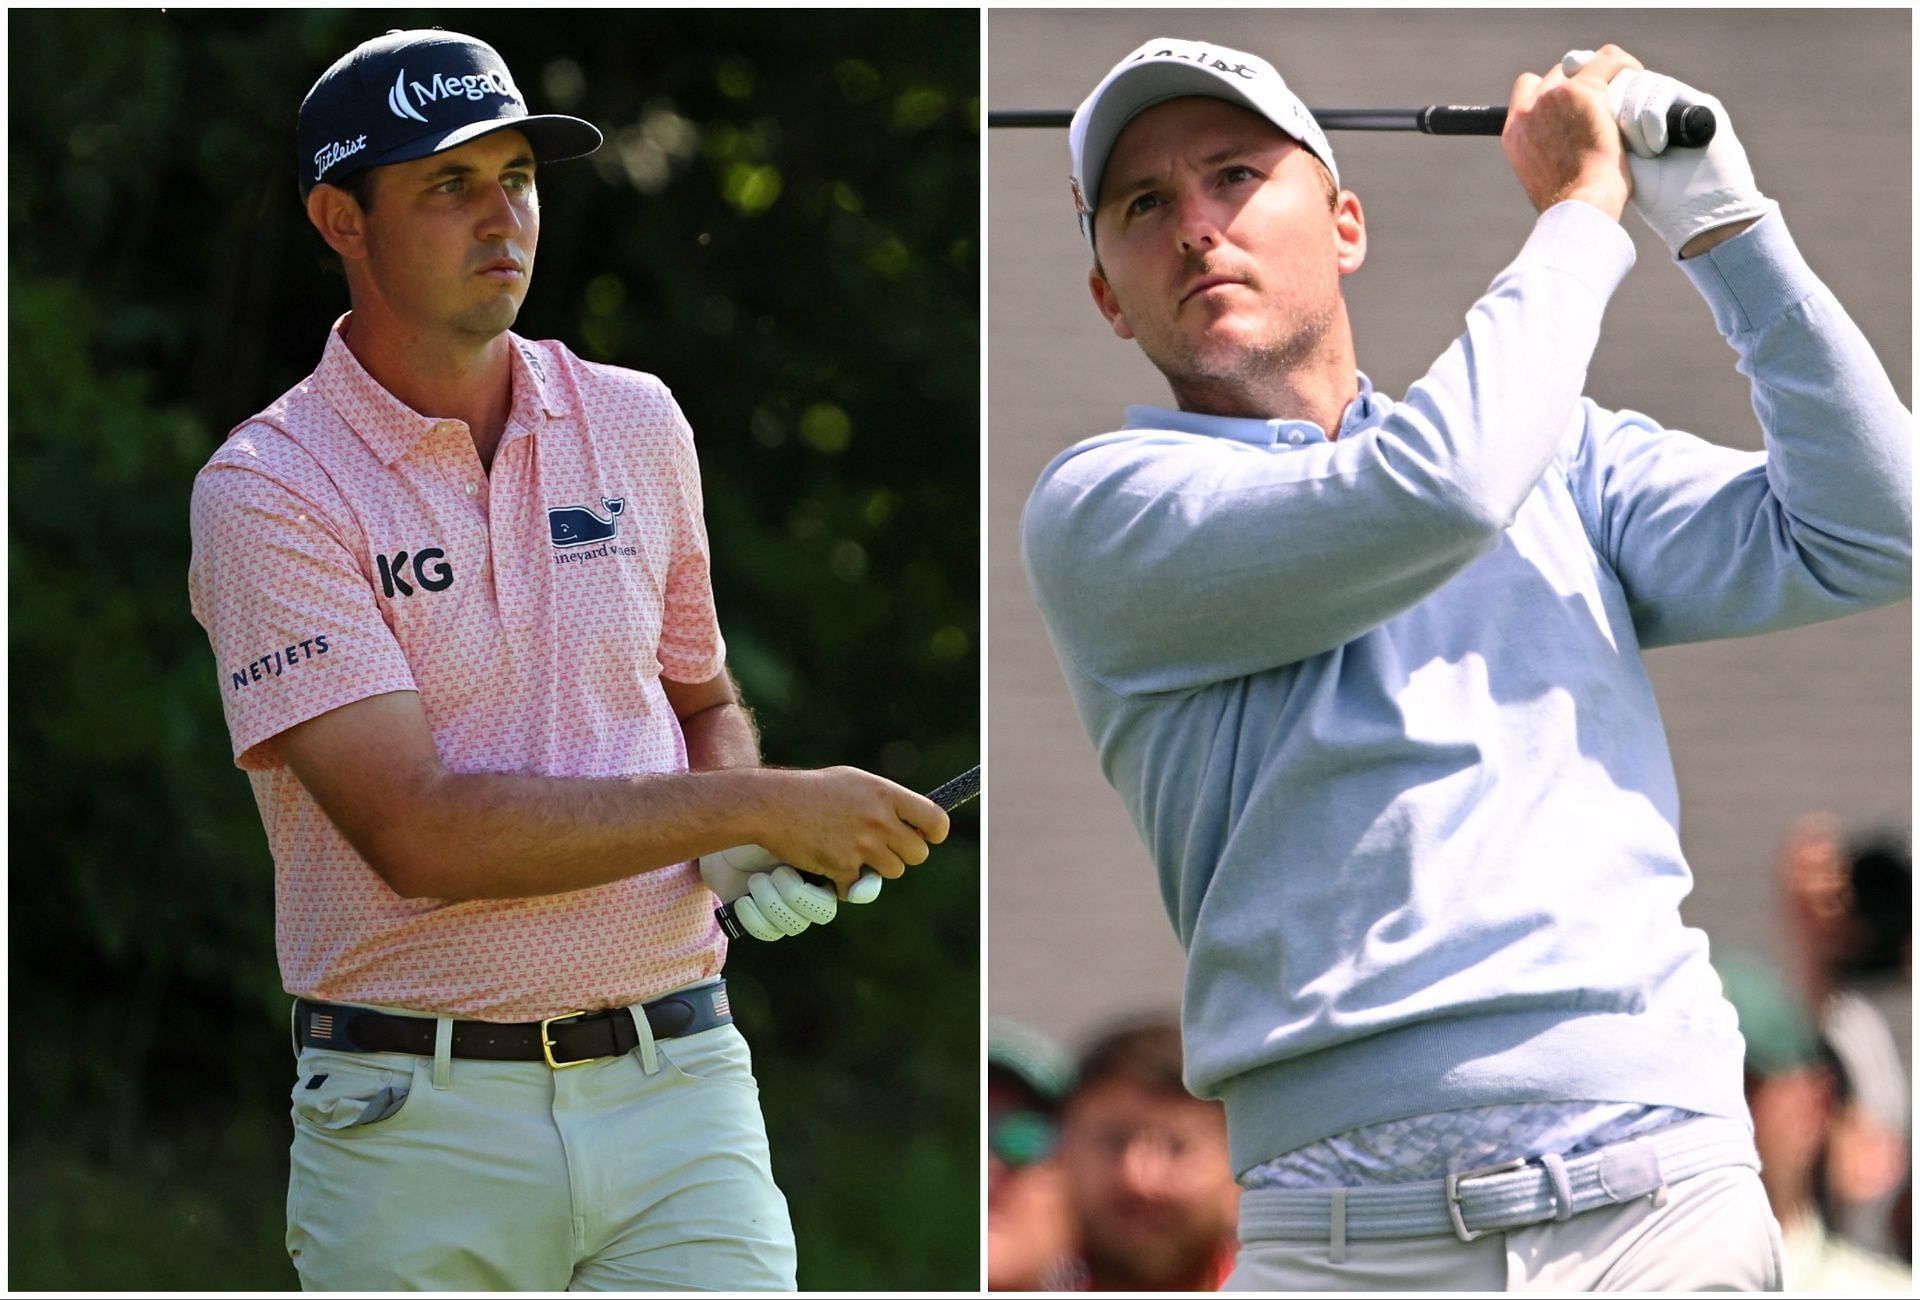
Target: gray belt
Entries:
(1500, 1197)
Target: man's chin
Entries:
(1212, 360)
(490, 318)
(1148, 1262)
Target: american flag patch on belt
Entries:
(320, 1025)
(720, 1005)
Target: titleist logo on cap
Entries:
(338, 151)
(1203, 57)
(1298, 119)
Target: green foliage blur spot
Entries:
(806, 524)
(768, 429)
(728, 143)
(858, 80)
(918, 108)
(890, 258)
(751, 189)
(950, 643)
(844, 198)
(826, 428)
(733, 77)
(879, 508)
(605, 293)
(90, 138)
(848, 561)
(565, 83)
(723, 141)
(602, 337)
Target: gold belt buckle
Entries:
(546, 1042)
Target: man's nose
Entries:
(1144, 1165)
(501, 216)
(1198, 222)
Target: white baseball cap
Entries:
(1165, 68)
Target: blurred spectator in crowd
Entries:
(1849, 924)
(1030, 1239)
(1147, 1170)
(1792, 1082)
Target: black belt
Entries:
(571, 1039)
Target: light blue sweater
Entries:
(1377, 705)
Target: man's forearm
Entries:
(720, 737)
(373, 768)
(507, 835)
(474, 835)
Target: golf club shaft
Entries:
(1689, 126)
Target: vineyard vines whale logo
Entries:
(474, 86)
(577, 525)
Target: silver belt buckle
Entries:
(1460, 1228)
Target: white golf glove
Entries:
(770, 899)
(1680, 193)
(779, 903)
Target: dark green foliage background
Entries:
(784, 227)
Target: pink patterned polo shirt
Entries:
(345, 546)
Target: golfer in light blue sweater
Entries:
(1367, 674)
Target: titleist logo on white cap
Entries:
(1167, 68)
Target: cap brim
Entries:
(555, 137)
(1132, 93)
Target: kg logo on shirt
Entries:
(430, 570)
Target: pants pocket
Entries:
(717, 1055)
(346, 1093)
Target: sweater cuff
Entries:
(1584, 242)
(1754, 278)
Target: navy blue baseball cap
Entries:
(406, 95)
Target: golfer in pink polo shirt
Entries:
(456, 585)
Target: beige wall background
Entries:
(1762, 729)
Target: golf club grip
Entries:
(957, 791)
(1690, 126)
(949, 795)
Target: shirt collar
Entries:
(390, 427)
(536, 390)
(1365, 411)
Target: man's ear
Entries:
(1108, 302)
(336, 214)
(1349, 232)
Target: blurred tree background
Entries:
(783, 225)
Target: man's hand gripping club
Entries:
(1561, 137)
(772, 900)
(1686, 196)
